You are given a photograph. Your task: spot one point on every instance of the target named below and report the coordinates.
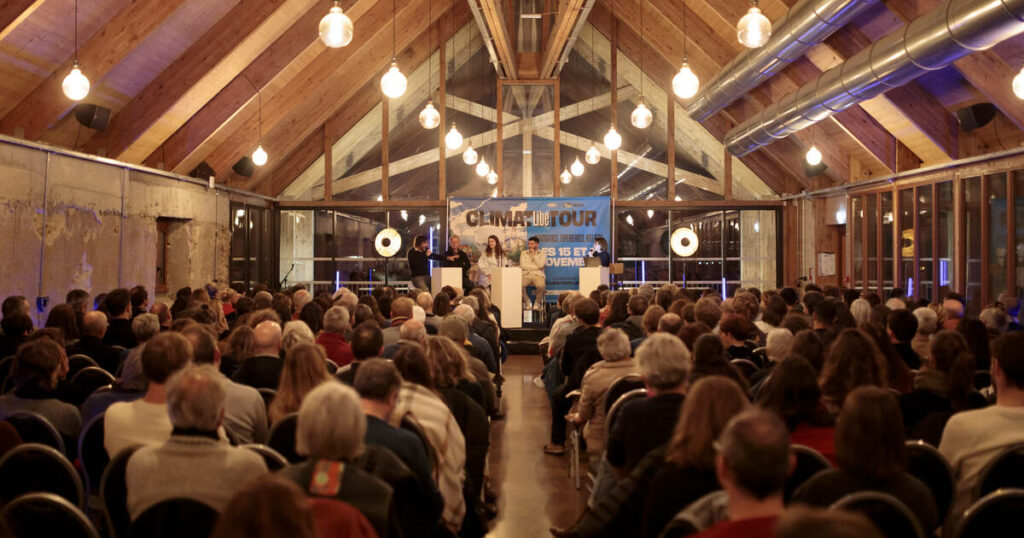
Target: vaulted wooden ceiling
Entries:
(182, 78)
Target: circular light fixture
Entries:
(566, 176)
(641, 117)
(75, 85)
(453, 140)
(388, 242)
(576, 167)
(430, 118)
(259, 157)
(336, 28)
(492, 178)
(754, 28)
(469, 156)
(593, 156)
(813, 156)
(684, 242)
(685, 84)
(482, 168)
(1018, 84)
(612, 139)
(393, 83)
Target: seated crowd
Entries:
(728, 393)
(393, 446)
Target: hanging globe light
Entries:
(641, 117)
(685, 84)
(336, 28)
(469, 156)
(813, 156)
(612, 139)
(259, 157)
(754, 28)
(453, 140)
(566, 176)
(1018, 84)
(75, 85)
(430, 118)
(492, 178)
(593, 156)
(482, 168)
(576, 167)
(393, 83)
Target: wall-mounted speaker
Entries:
(815, 170)
(92, 116)
(244, 167)
(202, 171)
(976, 116)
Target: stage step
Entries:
(524, 341)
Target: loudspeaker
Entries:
(92, 116)
(244, 167)
(976, 116)
(202, 171)
(812, 171)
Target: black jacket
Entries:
(462, 261)
(119, 333)
(106, 356)
(419, 262)
(263, 372)
(580, 354)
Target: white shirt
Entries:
(486, 264)
(135, 423)
(533, 262)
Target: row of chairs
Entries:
(620, 391)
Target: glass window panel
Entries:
(412, 150)
(357, 160)
(924, 241)
(585, 117)
(972, 241)
(472, 108)
(758, 248)
(887, 220)
(1018, 222)
(946, 224)
(907, 247)
(410, 223)
(704, 268)
(297, 244)
(856, 220)
(998, 228)
(641, 245)
(528, 156)
(871, 218)
(642, 157)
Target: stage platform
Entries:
(524, 341)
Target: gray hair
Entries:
(471, 302)
(777, 343)
(613, 345)
(995, 320)
(145, 326)
(896, 304)
(860, 309)
(336, 319)
(413, 330)
(301, 299)
(195, 398)
(418, 314)
(456, 328)
(331, 424)
(465, 312)
(927, 320)
(647, 290)
(296, 332)
(664, 361)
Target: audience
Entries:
(852, 360)
(91, 344)
(37, 368)
(263, 369)
(943, 386)
(367, 343)
(119, 309)
(613, 346)
(128, 387)
(332, 339)
(802, 522)
(579, 355)
(272, 506)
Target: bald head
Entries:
(670, 323)
(402, 308)
(301, 299)
(465, 313)
(425, 301)
(413, 330)
(95, 324)
(266, 338)
(954, 309)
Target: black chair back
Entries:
(888, 513)
(746, 367)
(175, 518)
(678, 528)
(114, 493)
(79, 362)
(35, 428)
(282, 437)
(332, 367)
(619, 387)
(929, 466)
(809, 462)
(45, 515)
(609, 418)
(32, 468)
(274, 460)
(1004, 471)
(92, 453)
(90, 378)
(994, 516)
(268, 396)
(982, 379)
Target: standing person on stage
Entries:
(533, 261)
(419, 262)
(456, 257)
(601, 251)
(493, 258)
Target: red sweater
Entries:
(338, 350)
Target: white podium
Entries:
(507, 295)
(591, 278)
(445, 276)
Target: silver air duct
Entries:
(808, 23)
(932, 41)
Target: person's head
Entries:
(746, 305)
(63, 317)
(790, 296)
(977, 337)
(331, 424)
(367, 340)
(586, 311)
(774, 310)
(637, 305)
(664, 362)
(163, 313)
(708, 348)
(448, 360)
(869, 435)
(778, 343)
(617, 307)
(896, 303)
(860, 309)
(735, 329)
(300, 299)
(691, 332)
(266, 338)
(533, 243)
(118, 303)
(196, 398)
(927, 320)
(442, 304)
(600, 244)
(708, 312)
(95, 324)
(131, 378)
(1008, 362)
(378, 380)
(851, 361)
(494, 247)
(37, 364)
(669, 323)
(825, 312)
(313, 316)
(754, 458)
(145, 327)
(402, 308)
(295, 333)
(15, 304)
(336, 320)
(613, 345)
(420, 242)
(995, 320)
(241, 343)
(805, 522)
(454, 242)
(139, 297)
(710, 403)
(413, 330)
(268, 506)
(902, 325)
(953, 309)
(305, 367)
(165, 354)
(78, 300)
(412, 365)
(455, 328)
(792, 391)
(425, 301)
(204, 344)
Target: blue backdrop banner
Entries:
(565, 226)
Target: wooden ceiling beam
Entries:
(498, 29)
(122, 33)
(565, 22)
(195, 77)
(14, 12)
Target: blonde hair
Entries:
(305, 368)
(449, 362)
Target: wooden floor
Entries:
(534, 488)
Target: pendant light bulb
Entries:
(566, 176)
(685, 84)
(492, 178)
(612, 139)
(482, 168)
(576, 167)
(393, 83)
(813, 156)
(641, 117)
(469, 156)
(430, 118)
(453, 140)
(593, 155)
(336, 28)
(259, 157)
(1018, 84)
(754, 28)
(75, 85)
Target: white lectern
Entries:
(445, 276)
(591, 278)
(507, 295)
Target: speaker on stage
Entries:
(244, 167)
(92, 116)
(976, 116)
(202, 171)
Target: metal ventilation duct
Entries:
(808, 23)
(932, 41)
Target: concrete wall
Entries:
(68, 222)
